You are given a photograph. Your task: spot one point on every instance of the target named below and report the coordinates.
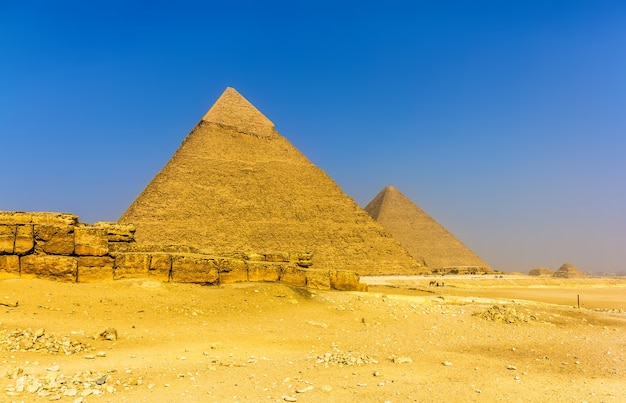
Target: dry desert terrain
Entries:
(482, 339)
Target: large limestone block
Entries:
(256, 257)
(7, 238)
(277, 257)
(294, 276)
(304, 259)
(195, 269)
(24, 239)
(20, 217)
(160, 266)
(15, 217)
(118, 247)
(54, 218)
(264, 271)
(344, 280)
(95, 268)
(233, 271)
(10, 265)
(131, 265)
(117, 232)
(62, 268)
(319, 279)
(91, 241)
(55, 239)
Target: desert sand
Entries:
(513, 339)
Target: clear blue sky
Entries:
(504, 120)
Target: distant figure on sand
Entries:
(434, 283)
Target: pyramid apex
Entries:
(391, 192)
(232, 109)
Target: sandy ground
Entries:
(591, 293)
(401, 342)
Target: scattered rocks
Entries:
(505, 314)
(305, 389)
(55, 385)
(109, 334)
(40, 341)
(401, 359)
(346, 358)
(326, 388)
(318, 324)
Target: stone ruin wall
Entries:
(57, 246)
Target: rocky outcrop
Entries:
(57, 246)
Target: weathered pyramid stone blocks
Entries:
(160, 266)
(15, 217)
(7, 239)
(55, 239)
(20, 217)
(24, 241)
(294, 276)
(319, 279)
(117, 232)
(344, 280)
(49, 245)
(10, 265)
(131, 265)
(94, 268)
(195, 269)
(305, 259)
(277, 257)
(233, 271)
(62, 268)
(264, 271)
(91, 241)
(54, 218)
(255, 257)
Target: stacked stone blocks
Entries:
(57, 246)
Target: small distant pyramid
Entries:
(425, 239)
(568, 270)
(236, 184)
(541, 272)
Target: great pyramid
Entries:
(425, 239)
(235, 184)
